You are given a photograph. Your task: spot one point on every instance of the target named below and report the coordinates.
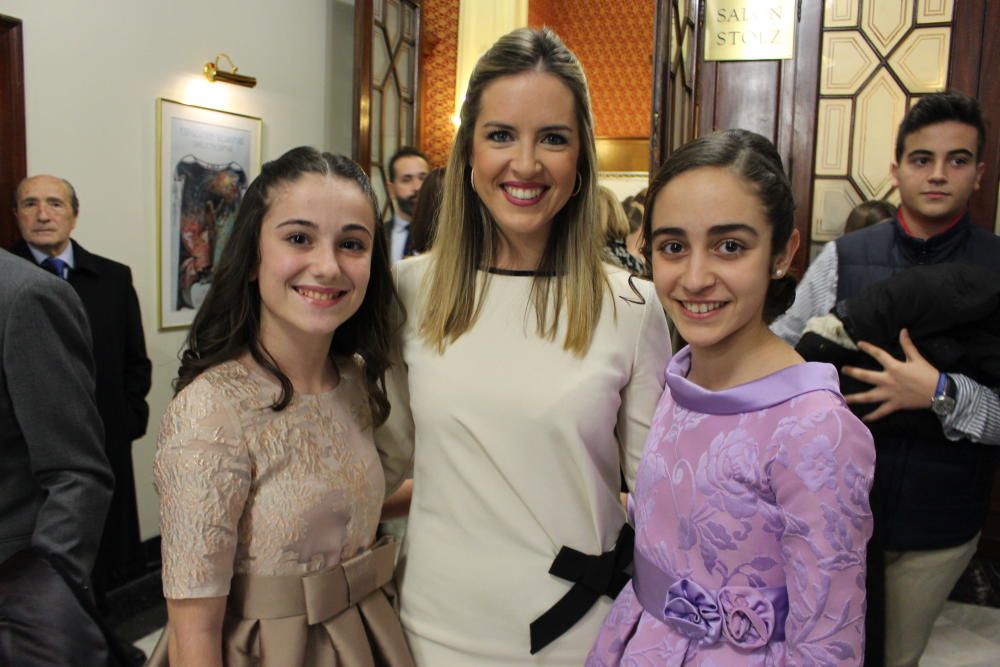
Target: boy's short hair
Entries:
(940, 108)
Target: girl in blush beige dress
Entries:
(529, 373)
(270, 486)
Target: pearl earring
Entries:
(778, 273)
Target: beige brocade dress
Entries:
(278, 511)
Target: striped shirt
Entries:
(977, 407)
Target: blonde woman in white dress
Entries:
(529, 374)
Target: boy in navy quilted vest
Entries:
(931, 491)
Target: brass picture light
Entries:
(213, 73)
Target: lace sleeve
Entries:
(202, 473)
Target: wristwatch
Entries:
(944, 396)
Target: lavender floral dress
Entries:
(751, 516)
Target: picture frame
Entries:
(206, 159)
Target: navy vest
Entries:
(930, 493)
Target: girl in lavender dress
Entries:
(751, 499)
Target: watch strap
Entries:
(942, 385)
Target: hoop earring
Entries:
(579, 185)
(472, 179)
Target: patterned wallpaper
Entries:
(614, 41)
(440, 29)
(542, 13)
(612, 38)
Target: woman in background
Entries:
(529, 371)
(615, 228)
(868, 213)
(270, 486)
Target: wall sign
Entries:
(750, 29)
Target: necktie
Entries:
(56, 266)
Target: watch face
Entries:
(942, 405)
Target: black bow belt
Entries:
(592, 577)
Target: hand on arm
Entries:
(900, 385)
(398, 504)
(196, 632)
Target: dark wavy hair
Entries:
(228, 322)
(756, 160)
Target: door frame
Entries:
(13, 159)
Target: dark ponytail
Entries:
(780, 297)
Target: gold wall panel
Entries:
(886, 21)
(880, 109)
(847, 63)
(841, 14)
(935, 11)
(833, 137)
(921, 62)
(894, 197)
(622, 154)
(833, 201)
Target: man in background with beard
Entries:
(407, 170)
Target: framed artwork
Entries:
(206, 159)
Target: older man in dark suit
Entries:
(55, 481)
(47, 208)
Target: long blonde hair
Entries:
(570, 274)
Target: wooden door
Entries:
(973, 66)
(676, 40)
(386, 57)
(13, 162)
(693, 97)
